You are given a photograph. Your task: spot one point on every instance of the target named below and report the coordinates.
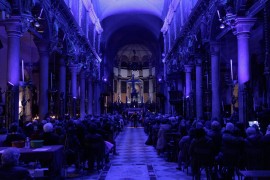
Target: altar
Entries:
(133, 110)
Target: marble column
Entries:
(82, 94)
(43, 49)
(165, 42)
(199, 92)
(74, 69)
(215, 79)
(151, 84)
(62, 76)
(90, 96)
(97, 92)
(242, 31)
(62, 85)
(167, 101)
(188, 69)
(98, 45)
(14, 33)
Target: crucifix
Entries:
(133, 81)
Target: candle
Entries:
(218, 14)
(254, 106)
(51, 80)
(206, 81)
(69, 86)
(22, 71)
(231, 69)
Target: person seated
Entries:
(14, 135)
(3, 135)
(10, 169)
(49, 137)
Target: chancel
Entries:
(137, 88)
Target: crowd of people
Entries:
(87, 143)
(220, 148)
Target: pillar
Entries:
(215, 79)
(74, 69)
(14, 33)
(43, 49)
(62, 86)
(90, 96)
(242, 31)
(188, 69)
(62, 76)
(151, 84)
(97, 93)
(82, 94)
(199, 92)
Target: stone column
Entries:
(242, 31)
(43, 49)
(188, 69)
(215, 79)
(74, 69)
(62, 76)
(62, 85)
(82, 94)
(167, 101)
(151, 84)
(165, 42)
(98, 45)
(90, 96)
(199, 92)
(97, 97)
(14, 33)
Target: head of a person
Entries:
(48, 128)
(10, 157)
(229, 127)
(215, 126)
(13, 128)
(250, 131)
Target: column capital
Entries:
(42, 45)
(188, 68)
(214, 48)
(243, 25)
(83, 74)
(198, 61)
(74, 68)
(14, 27)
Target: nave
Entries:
(137, 161)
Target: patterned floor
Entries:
(136, 161)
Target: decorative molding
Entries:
(170, 15)
(92, 14)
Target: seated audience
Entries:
(49, 137)
(10, 169)
(14, 135)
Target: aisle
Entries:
(137, 161)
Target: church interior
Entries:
(163, 72)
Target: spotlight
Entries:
(222, 26)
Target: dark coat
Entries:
(14, 173)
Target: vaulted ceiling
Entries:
(127, 22)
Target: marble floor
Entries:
(136, 161)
